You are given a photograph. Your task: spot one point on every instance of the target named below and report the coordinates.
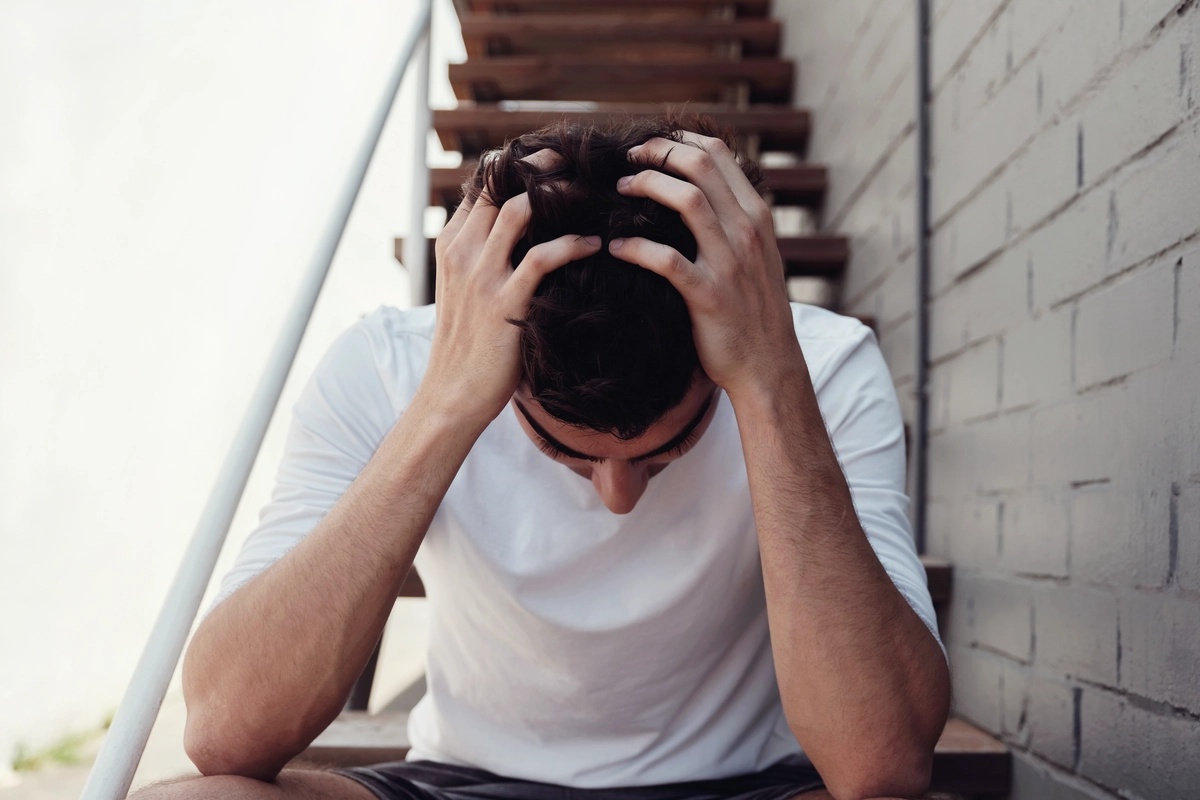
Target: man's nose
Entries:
(619, 484)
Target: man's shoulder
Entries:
(391, 326)
(828, 339)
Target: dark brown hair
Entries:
(606, 345)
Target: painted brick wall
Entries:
(1065, 343)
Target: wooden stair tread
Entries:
(474, 128)
(789, 186)
(966, 758)
(602, 78)
(743, 8)
(526, 34)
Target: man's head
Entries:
(606, 345)
(607, 350)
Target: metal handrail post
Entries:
(119, 756)
(416, 249)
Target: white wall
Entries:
(166, 167)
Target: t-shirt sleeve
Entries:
(339, 420)
(863, 417)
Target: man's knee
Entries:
(293, 784)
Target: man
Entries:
(680, 593)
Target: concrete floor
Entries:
(401, 663)
(164, 758)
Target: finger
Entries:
(660, 259)
(748, 197)
(544, 160)
(541, 260)
(707, 170)
(509, 227)
(689, 200)
(478, 224)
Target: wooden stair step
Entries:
(789, 186)
(742, 8)
(604, 79)
(803, 256)
(474, 128)
(814, 255)
(966, 759)
(539, 34)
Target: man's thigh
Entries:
(292, 784)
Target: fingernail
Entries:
(623, 183)
(615, 244)
(591, 241)
(633, 151)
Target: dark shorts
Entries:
(430, 780)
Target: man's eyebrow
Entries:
(667, 447)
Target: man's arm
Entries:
(271, 666)
(863, 682)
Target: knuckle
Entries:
(704, 161)
(694, 199)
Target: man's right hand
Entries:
(474, 366)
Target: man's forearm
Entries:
(863, 682)
(271, 666)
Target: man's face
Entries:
(620, 469)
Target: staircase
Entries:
(531, 62)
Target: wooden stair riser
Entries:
(532, 34)
(474, 128)
(642, 8)
(571, 78)
(788, 186)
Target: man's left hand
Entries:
(734, 290)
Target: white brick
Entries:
(1076, 632)
(1043, 178)
(1034, 534)
(1087, 40)
(1143, 15)
(962, 161)
(1034, 780)
(1188, 344)
(897, 296)
(1150, 215)
(1142, 101)
(966, 530)
(1139, 751)
(1125, 327)
(991, 300)
(1014, 689)
(899, 346)
(1049, 728)
(1037, 361)
(992, 613)
(1077, 440)
(1160, 648)
(975, 684)
(1186, 524)
(955, 24)
(1120, 535)
(972, 382)
(1069, 255)
(1000, 460)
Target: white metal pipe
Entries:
(121, 752)
(416, 250)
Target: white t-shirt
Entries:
(568, 644)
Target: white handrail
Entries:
(121, 752)
(416, 249)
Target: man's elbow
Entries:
(216, 748)
(902, 778)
